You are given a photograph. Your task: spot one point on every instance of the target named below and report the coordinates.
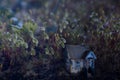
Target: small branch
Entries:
(56, 6)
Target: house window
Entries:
(91, 63)
(77, 65)
(77, 62)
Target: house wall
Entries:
(76, 65)
(68, 64)
(81, 63)
(90, 58)
(90, 63)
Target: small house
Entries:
(79, 57)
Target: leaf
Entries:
(61, 30)
(63, 45)
(30, 26)
(15, 30)
(35, 41)
(46, 36)
(24, 44)
(52, 50)
(47, 51)
(32, 52)
(63, 40)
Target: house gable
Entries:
(91, 55)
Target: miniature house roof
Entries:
(91, 55)
(76, 51)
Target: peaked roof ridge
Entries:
(92, 55)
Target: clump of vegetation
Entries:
(31, 49)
